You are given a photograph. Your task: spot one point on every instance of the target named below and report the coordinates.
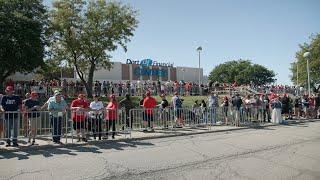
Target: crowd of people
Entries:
(91, 116)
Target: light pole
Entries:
(307, 55)
(199, 49)
(297, 73)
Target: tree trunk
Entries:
(1, 86)
(89, 83)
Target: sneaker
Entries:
(8, 144)
(33, 142)
(15, 145)
(84, 140)
(112, 137)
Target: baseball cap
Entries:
(56, 91)
(34, 94)
(112, 96)
(148, 93)
(9, 88)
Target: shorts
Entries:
(77, 125)
(34, 122)
(148, 117)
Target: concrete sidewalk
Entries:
(46, 142)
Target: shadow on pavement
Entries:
(94, 147)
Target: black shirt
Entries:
(30, 104)
(164, 103)
(11, 103)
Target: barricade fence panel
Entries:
(75, 124)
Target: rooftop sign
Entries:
(149, 62)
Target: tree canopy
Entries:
(314, 63)
(242, 72)
(22, 40)
(84, 34)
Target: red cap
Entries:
(148, 93)
(9, 88)
(34, 94)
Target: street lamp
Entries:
(199, 49)
(297, 72)
(307, 55)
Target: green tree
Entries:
(22, 27)
(314, 63)
(242, 72)
(84, 34)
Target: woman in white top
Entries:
(276, 106)
(96, 107)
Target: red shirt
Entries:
(81, 115)
(111, 111)
(149, 103)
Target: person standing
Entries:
(127, 104)
(96, 107)
(317, 105)
(111, 115)
(79, 107)
(285, 101)
(237, 103)
(177, 106)
(276, 110)
(213, 103)
(1, 119)
(25, 116)
(57, 108)
(225, 107)
(204, 111)
(32, 106)
(164, 114)
(149, 104)
(10, 105)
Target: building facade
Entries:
(148, 72)
(144, 70)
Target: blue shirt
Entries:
(54, 105)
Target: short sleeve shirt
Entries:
(30, 104)
(79, 116)
(53, 105)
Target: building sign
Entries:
(149, 62)
(145, 71)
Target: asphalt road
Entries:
(278, 152)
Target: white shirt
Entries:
(96, 106)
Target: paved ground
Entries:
(278, 152)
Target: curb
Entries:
(51, 146)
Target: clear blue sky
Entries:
(267, 32)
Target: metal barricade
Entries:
(99, 124)
(31, 125)
(142, 119)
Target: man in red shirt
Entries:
(149, 104)
(78, 108)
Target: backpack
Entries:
(178, 103)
